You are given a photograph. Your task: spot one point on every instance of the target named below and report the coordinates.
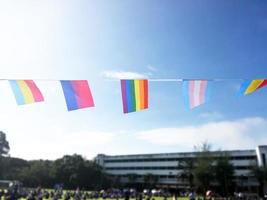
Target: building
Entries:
(167, 169)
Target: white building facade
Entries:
(167, 169)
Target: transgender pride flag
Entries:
(196, 92)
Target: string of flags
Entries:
(134, 93)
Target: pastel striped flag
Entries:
(77, 94)
(26, 91)
(134, 95)
(196, 92)
(250, 86)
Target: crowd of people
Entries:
(41, 194)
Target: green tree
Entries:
(4, 149)
(150, 180)
(224, 174)
(187, 167)
(260, 173)
(4, 145)
(132, 179)
(203, 171)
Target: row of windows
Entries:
(172, 176)
(162, 168)
(171, 159)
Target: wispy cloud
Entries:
(223, 134)
(211, 115)
(124, 75)
(152, 68)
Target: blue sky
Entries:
(102, 41)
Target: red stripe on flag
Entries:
(145, 94)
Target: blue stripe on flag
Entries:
(69, 94)
(208, 91)
(243, 87)
(128, 95)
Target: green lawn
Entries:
(156, 198)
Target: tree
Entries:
(187, 167)
(150, 180)
(260, 173)
(132, 179)
(4, 145)
(203, 172)
(224, 173)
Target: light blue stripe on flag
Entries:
(186, 94)
(17, 92)
(243, 87)
(208, 91)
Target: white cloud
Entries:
(56, 143)
(124, 75)
(224, 134)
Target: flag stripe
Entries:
(77, 94)
(17, 92)
(253, 86)
(191, 93)
(195, 92)
(203, 86)
(128, 95)
(264, 83)
(137, 94)
(82, 94)
(250, 86)
(69, 95)
(142, 94)
(37, 95)
(134, 95)
(27, 95)
(186, 93)
(244, 86)
(124, 98)
(145, 94)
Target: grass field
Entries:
(156, 198)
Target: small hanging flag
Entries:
(250, 86)
(77, 94)
(134, 95)
(196, 92)
(26, 91)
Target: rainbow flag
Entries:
(77, 94)
(26, 91)
(196, 92)
(249, 86)
(134, 95)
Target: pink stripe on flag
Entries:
(36, 93)
(83, 94)
(202, 93)
(191, 93)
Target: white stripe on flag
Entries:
(197, 93)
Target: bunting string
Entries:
(134, 92)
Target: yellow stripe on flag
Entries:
(137, 94)
(25, 90)
(253, 86)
